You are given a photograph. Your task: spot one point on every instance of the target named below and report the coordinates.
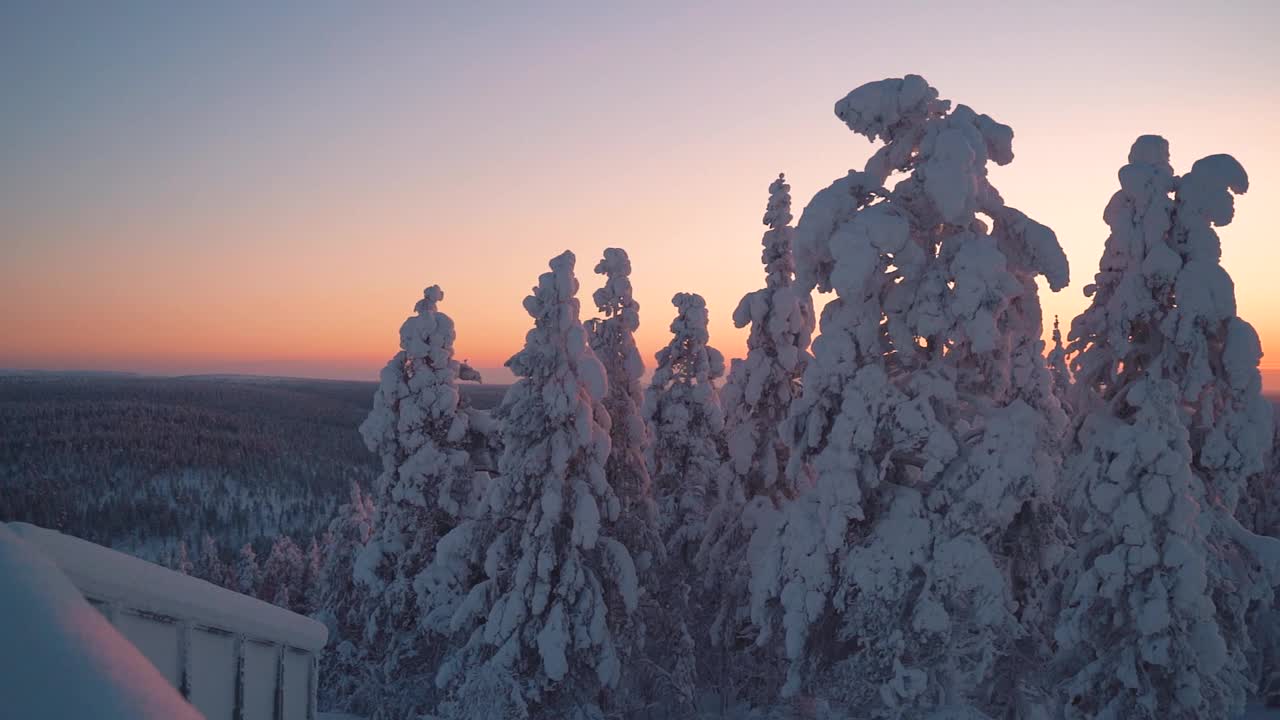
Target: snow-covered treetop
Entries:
(615, 299)
(424, 368)
(417, 405)
(781, 322)
(946, 154)
(923, 281)
(612, 338)
(777, 214)
(921, 257)
(1205, 293)
(557, 335)
(1058, 366)
(779, 264)
(561, 386)
(1161, 302)
(1160, 276)
(430, 334)
(1125, 288)
(688, 356)
(888, 108)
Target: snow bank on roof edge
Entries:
(103, 573)
(61, 658)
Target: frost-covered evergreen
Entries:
(282, 574)
(613, 341)
(211, 566)
(905, 578)
(754, 484)
(760, 388)
(656, 674)
(682, 412)
(1154, 621)
(682, 409)
(1059, 368)
(539, 628)
(182, 560)
(248, 574)
(344, 680)
(308, 602)
(1260, 511)
(421, 429)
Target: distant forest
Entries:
(141, 463)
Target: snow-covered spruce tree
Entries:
(649, 642)
(211, 567)
(282, 573)
(1059, 368)
(182, 560)
(612, 339)
(1260, 510)
(756, 398)
(420, 426)
(1260, 506)
(541, 624)
(248, 575)
(308, 600)
(685, 420)
(1154, 618)
(344, 681)
(910, 578)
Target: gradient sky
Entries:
(224, 187)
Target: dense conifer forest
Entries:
(142, 463)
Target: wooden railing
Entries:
(231, 656)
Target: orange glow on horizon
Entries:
(261, 194)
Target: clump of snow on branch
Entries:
(928, 424)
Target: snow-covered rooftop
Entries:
(104, 574)
(60, 658)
